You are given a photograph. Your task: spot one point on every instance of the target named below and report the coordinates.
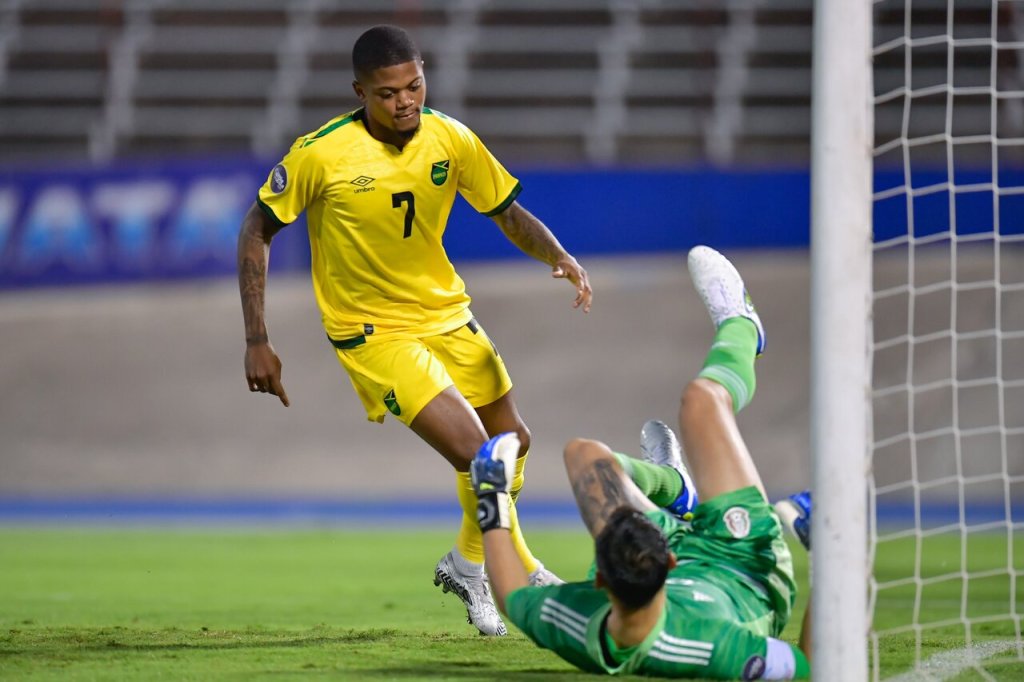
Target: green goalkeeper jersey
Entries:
(720, 619)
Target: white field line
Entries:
(949, 664)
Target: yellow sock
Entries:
(470, 541)
(518, 541)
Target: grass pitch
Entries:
(184, 604)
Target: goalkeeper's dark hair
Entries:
(632, 557)
(382, 46)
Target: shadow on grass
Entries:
(383, 653)
(375, 653)
(468, 670)
(45, 642)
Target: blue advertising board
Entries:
(172, 219)
(123, 222)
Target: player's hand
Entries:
(491, 472)
(568, 268)
(494, 466)
(263, 370)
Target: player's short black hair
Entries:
(632, 557)
(382, 46)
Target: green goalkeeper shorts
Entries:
(738, 533)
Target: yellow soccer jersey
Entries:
(376, 217)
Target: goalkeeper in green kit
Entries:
(666, 598)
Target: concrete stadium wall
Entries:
(140, 390)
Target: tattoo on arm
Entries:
(599, 492)
(252, 282)
(529, 234)
(253, 246)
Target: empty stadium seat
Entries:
(569, 82)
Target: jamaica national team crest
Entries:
(392, 403)
(439, 172)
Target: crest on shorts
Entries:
(278, 179)
(737, 520)
(392, 403)
(439, 172)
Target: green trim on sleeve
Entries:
(803, 667)
(510, 600)
(270, 213)
(520, 603)
(508, 201)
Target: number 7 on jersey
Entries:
(397, 200)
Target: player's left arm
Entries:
(533, 238)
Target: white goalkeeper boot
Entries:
(474, 592)
(721, 288)
(659, 445)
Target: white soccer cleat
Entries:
(541, 576)
(721, 288)
(475, 594)
(659, 445)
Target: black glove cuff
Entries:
(492, 511)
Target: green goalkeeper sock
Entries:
(730, 362)
(661, 484)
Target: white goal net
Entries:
(946, 490)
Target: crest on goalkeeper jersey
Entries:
(737, 520)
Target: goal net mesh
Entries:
(947, 442)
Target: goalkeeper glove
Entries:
(491, 472)
(795, 514)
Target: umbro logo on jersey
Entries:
(363, 182)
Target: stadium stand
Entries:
(643, 82)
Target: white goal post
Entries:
(841, 205)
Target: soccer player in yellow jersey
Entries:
(377, 185)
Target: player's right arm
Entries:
(292, 185)
(740, 654)
(262, 366)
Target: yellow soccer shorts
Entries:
(401, 375)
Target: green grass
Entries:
(938, 602)
(91, 604)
